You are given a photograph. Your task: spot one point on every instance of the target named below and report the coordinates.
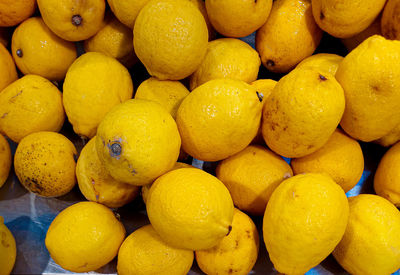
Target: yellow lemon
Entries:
(302, 112)
(251, 176)
(325, 62)
(390, 23)
(127, 10)
(236, 253)
(352, 42)
(84, 237)
(7, 68)
(73, 20)
(37, 50)
(8, 249)
(28, 105)
(94, 84)
(170, 38)
(13, 12)
(371, 243)
(227, 58)
(305, 219)
(219, 119)
(168, 93)
(138, 141)
(144, 252)
(5, 160)
(146, 188)
(95, 182)
(238, 18)
(341, 158)
(387, 176)
(44, 163)
(345, 18)
(113, 39)
(190, 209)
(289, 35)
(370, 77)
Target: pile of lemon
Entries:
(204, 100)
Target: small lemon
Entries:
(113, 39)
(37, 50)
(341, 158)
(73, 20)
(138, 141)
(219, 119)
(345, 18)
(7, 68)
(264, 87)
(127, 10)
(371, 243)
(95, 182)
(168, 93)
(390, 24)
(190, 209)
(146, 188)
(289, 35)
(236, 253)
(387, 176)
(170, 38)
(251, 176)
(94, 84)
(44, 163)
(8, 249)
(370, 77)
(28, 105)
(84, 237)
(144, 252)
(227, 58)
(238, 18)
(325, 62)
(305, 219)
(302, 112)
(13, 12)
(5, 160)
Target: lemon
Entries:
(7, 68)
(289, 35)
(326, 62)
(138, 141)
(370, 77)
(236, 253)
(190, 209)
(352, 42)
(44, 163)
(94, 84)
(305, 219)
(32, 56)
(113, 39)
(8, 249)
(84, 237)
(95, 182)
(346, 18)
(371, 243)
(28, 105)
(238, 18)
(390, 23)
(227, 58)
(341, 158)
(251, 176)
(264, 87)
(73, 20)
(127, 10)
(170, 38)
(302, 112)
(168, 93)
(219, 119)
(144, 252)
(13, 12)
(5, 160)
